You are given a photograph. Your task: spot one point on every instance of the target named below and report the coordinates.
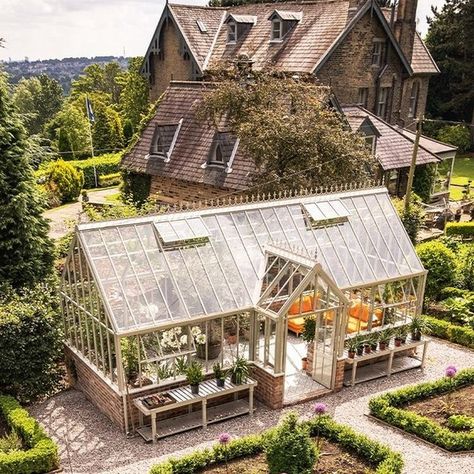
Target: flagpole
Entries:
(92, 143)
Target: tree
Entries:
(134, 95)
(69, 130)
(107, 131)
(287, 128)
(26, 252)
(38, 99)
(451, 43)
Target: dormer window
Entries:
(222, 152)
(282, 22)
(231, 32)
(218, 157)
(164, 140)
(370, 133)
(371, 142)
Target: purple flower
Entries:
(224, 438)
(320, 408)
(451, 371)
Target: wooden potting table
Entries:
(194, 419)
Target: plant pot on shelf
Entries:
(304, 364)
(351, 354)
(367, 348)
(220, 382)
(360, 350)
(382, 345)
(398, 342)
(416, 336)
(195, 389)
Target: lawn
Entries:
(462, 173)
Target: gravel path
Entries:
(91, 444)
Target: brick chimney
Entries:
(405, 26)
(354, 6)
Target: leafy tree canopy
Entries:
(450, 40)
(290, 132)
(26, 252)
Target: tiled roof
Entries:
(193, 145)
(300, 50)
(394, 149)
(431, 144)
(421, 61)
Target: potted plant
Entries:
(211, 342)
(401, 335)
(359, 345)
(239, 371)
(370, 343)
(194, 376)
(418, 326)
(384, 338)
(351, 345)
(373, 340)
(219, 374)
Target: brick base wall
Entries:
(270, 389)
(171, 191)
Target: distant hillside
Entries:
(63, 70)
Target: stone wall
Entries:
(169, 190)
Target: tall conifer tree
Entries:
(26, 252)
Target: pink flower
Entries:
(451, 371)
(320, 408)
(224, 438)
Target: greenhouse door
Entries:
(324, 353)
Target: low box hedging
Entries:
(41, 454)
(390, 408)
(104, 165)
(462, 229)
(386, 460)
(112, 179)
(463, 335)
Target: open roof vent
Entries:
(326, 213)
(182, 233)
(202, 26)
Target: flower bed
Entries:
(392, 408)
(378, 456)
(40, 453)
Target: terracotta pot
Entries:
(367, 349)
(304, 364)
(351, 354)
(383, 346)
(231, 338)
(398, 342)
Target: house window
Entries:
(158, 146)
(363, 97)
(382, 102)
(217, 157)
(277, 30)
(231, 32)
(377, 52)
(371, 141)
(415, 92)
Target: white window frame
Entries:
(231, 32)
(377, 52)
(382, 101)
(276, 21)
(414, 96)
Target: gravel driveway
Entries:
(89, 443)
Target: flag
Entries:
(90, 112)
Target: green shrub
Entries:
(112, 179)
(412, 218)
(136, 186)
(461, 422)
(463, 229)
(452, 332)
(289, 448)
(425, 176)
(441, 265)
(389, 407)
(460, 310)
(452, 292)
(64, 180)
(40, 454)
(386, 460)
(466, 267)
(457, 135)
(10, 442)
(30, 343)
(104, 164)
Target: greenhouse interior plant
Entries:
(384, 338)
(401, 334)
(240, 371)
(219, 374)
(194, 375)
(418, 327)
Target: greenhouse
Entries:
(144, 297)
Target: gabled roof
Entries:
(394, 149)
(146, 284)
(422, 62)
(193, 145)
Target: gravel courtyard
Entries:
(89, 443)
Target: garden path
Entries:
(91, 444)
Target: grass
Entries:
(462, 173)
(115, 198)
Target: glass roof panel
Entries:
(148, 282)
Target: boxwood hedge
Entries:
(104, 165)
(379, 455)
(463, 335)
(41, 453)
(390, 408)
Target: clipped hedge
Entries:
(462, 229)
(386, 460)
(112, 179)
(41, 454)
(463, 335)
(104, 165)
(389, 408)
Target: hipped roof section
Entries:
(149, 283)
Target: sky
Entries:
(44, 29)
